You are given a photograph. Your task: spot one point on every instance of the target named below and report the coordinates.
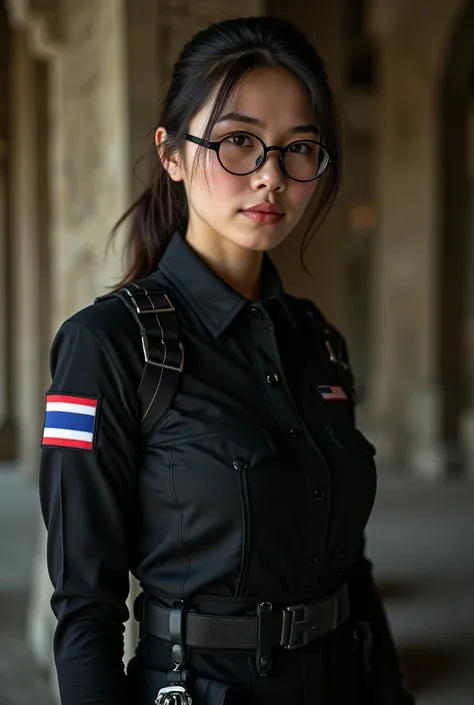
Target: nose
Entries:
(269, 175)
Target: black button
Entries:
(273, 379)
(296, 433)
(314, 562)
(256, 313)
(319, 493)
(240, 464)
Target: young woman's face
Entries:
(271, 104)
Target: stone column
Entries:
(88, 189)
(405, 403)
(4, 405)
(467, 417)
(26, 256)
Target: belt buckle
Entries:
(295, 632)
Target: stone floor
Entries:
(20, 682)
(421, 539)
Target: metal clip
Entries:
(173, 695)
(332, 355)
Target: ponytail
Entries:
(155, 216)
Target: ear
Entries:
(171, 162)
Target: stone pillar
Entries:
(405, 402)
(326, 256)
(5, 392)
(26, 256)
(88, 189)
(467, 417)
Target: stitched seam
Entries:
(246, 533)
(180, 527)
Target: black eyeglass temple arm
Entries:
(201, 142)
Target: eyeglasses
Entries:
(242, 153)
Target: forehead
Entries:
(270, 94)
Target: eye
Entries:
(301, 148)
(240, 140)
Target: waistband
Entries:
(291, 628)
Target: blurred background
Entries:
(80, 90)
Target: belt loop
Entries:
(139, 612)
(177, 633)
(264, 645)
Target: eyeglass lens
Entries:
(241, 153)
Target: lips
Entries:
(264, 207)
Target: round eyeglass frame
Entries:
(215, 146)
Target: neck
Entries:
(238, 266)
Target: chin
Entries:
(262, 238)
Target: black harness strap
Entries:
(163, 351)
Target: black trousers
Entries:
(325, 672)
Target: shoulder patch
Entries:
(70, 421)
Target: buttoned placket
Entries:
(271, 377)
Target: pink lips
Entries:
(265, 213)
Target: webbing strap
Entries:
(290, 628)
(163, 351)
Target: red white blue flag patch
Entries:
(329, 393)
(70, 421)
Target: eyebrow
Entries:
(248, 120)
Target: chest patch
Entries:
(330, 393)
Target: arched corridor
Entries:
(80, 89)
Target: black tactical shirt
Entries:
(254, 486)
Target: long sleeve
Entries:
(87, 500)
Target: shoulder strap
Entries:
(163, 352)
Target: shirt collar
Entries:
(212, 299)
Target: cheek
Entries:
(213, 184)
(301, 194)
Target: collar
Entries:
(212, 299)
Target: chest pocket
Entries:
(246, 448)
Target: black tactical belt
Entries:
(293, 628)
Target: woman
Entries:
(241, 504)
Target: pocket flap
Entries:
(250, 447)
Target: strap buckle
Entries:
(157, 363)
(295, 631)
(144, 303)
(148, 305)
(304, 623)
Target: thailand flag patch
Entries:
(332, 393)
(70, 421)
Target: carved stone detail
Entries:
(43, 21)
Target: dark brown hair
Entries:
(221, 56)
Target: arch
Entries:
(454, 100)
